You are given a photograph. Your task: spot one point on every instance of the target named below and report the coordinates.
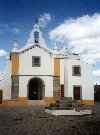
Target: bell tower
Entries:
(36, 36)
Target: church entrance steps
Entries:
(36, 102)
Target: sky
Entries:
(74, 24)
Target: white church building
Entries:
(42, 75)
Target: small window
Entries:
(76, 71)
(36, 61)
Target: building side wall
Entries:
(85, 80)
(2, 82)
(7, 81)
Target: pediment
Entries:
(25, 49)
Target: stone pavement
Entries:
(32, 120)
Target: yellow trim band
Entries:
(56, 67)
(49, 100)
(15, 63)
(14, 102)
(88, 102)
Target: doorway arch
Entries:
(36, 89)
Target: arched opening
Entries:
(36, 89)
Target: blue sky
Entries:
(17, 18)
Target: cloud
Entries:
(96, 73)
(82, 35)
(16, 31)
(45, 19)
(3, 52)
(11, 28)
(97, 82)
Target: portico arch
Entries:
(36, 89)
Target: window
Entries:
(36, 61)
(76, 71)
(77, 92)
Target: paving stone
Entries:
(37, 122)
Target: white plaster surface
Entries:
(7, 79)
(85, 80)
(62, 71)
(25, 60)
(24, 80)
(67, 112)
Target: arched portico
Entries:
(36, 89)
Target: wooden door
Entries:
(77, 93)
(62, 90)
(0, 97)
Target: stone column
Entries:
(56, 87)
(15, 87)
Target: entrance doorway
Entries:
(36, 89)
(0, 97)
(77, 93)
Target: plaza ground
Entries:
(32, 120)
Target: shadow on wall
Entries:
(97, 96)
(97, 93)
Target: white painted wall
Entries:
(23, 83)
(85, 80)
(25, 60)
(2, 81)
(7, 79)
(62, 71)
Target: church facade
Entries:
(37, 73)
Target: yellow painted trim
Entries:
(88, 102)
(15, 63)
(49, 100)
(14, 102)
(56, 67)
(22, 98)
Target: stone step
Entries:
(36, 102)
(66, 98)
(66, 101)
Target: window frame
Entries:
(36, 64)
(73, 73)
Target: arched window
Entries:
(36, 37)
